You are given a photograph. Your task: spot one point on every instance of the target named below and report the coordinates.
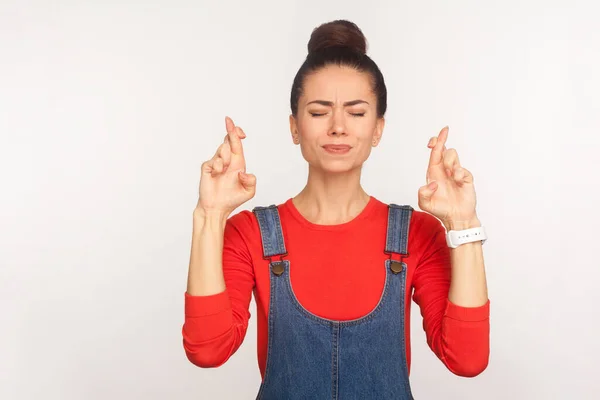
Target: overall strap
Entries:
(397, 229)
(270, 231)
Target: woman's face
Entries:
(337, 124)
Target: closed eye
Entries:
(314, 114)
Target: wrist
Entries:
(459, 225)
(212, 215)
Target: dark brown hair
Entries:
(339, 42)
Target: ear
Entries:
(378, 131)
(294, 129)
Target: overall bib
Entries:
(310, 357)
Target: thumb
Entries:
(248, 181)
(427, 191)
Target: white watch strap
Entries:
(456, 238)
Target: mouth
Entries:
(337, 148)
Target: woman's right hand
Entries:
(224, 184)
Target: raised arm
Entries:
(212, 331)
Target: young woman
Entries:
(333, 269)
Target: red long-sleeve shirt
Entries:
(339, 274)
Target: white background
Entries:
(107, 110)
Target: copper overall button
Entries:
(277, 268)
(396, 266)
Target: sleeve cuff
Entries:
(467, 314)
(202, 306)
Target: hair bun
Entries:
(339, 33)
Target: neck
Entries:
(331, 199)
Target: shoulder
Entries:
(242, 231)
(427, 236)
(423, 221)
(241, 235)
(424, 228)
(245, 222)
(419, 220)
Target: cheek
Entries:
(364, 128)
(310, 128)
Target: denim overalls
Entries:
(310, 357)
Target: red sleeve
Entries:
(215, 325)
(459, 336)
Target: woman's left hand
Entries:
(449, 194)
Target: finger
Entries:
(235, 141)
(217, 167)
(432, 143)
(458, 176)
(225, 154)
(229, 125)
(426, 193)
(451, 160)
(437, 150)
(248, 181)
(231, 135)
(207, 167)
(220, 149)
(463, 175)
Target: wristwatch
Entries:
(456, 238)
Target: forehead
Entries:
(337, 83)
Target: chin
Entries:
(337, 167)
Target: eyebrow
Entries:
(330, 103)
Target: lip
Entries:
(337, 148)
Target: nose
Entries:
(338, 123)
